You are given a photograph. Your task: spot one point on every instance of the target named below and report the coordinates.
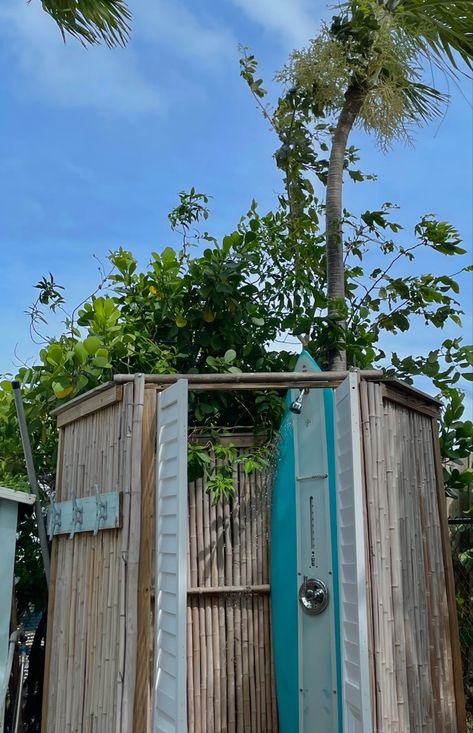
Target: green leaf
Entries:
(91, 344)
(229, 356)
(62, 389)
(102, 362)
(81, 352)
(466, 476)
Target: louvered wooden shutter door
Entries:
(356, 699)
(170, 695)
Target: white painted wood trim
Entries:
(21, 497)
(356, 692)
(170, 687)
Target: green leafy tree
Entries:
(366, 68)
(224, 309)
(91, 21)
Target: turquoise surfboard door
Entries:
(304, 585)
(318, 703)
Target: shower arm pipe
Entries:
(33, 481)
(261, 379)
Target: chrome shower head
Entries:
(296, 406)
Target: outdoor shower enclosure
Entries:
(159, 615)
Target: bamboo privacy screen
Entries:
(99, 658)
(91, 644)
(415, 660)
(230, 671)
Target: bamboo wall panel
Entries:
(413, 667)
(91, 636)
(230, 671)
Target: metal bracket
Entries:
(85, 514)
(54, 518)
(100, 510)
(77, 517)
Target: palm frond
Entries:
(92, 21)
(443, 30)
(422, 101)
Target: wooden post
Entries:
(142, 702)
(450, 585)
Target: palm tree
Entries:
(367, 68)
(91, 21)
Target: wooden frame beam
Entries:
(252, 380)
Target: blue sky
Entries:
(95, 144)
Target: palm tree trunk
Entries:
(334, 236)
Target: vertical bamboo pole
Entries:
(244, 612)
(214, 603)
(194, 607)
(220, 556)
(257, 575)
(237, 575)
(80, 682)
(132, 540)
(251, 563)
(200, 602)
(190, 659)
(230, 615)
(371, 565)
(208, 616)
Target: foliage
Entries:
(224, 309)
(218, 460)
(379, 297)
(378, 47)
(441, 30)
(91, 21)
(384, 64)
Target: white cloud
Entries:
(180, 38)
(193, 37)
(296, 21)
(72, 76)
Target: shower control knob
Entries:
(313, 596)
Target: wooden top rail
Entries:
(263, 380)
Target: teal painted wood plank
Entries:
(283, 569)
(8, 519)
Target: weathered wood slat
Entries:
(415, 673)
(411, 401)
(87, 404)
